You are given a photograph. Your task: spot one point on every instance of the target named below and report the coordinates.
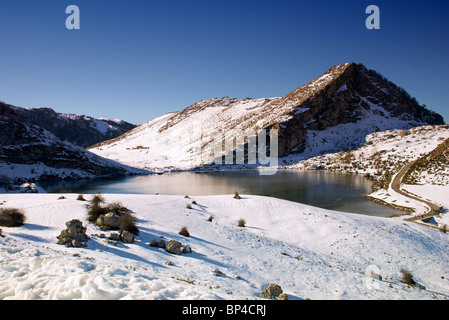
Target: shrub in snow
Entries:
(189, 206)
(128, 223)
(407, 277)
(114, 216)
(241, 223)
(74, 235)
(184, 232)
(118, 208)
(94, 212)
(236, 195)
(1, 233)
(12, 217)
(97, 200)
(80, 198)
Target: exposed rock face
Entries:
(347, 94)
(74, 235)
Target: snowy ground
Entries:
(435, 194)
(311, 252)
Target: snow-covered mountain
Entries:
(332, 113)
(80, 130)
(29, 152)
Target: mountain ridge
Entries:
(80, 130)
(31, 153)
(333, 112)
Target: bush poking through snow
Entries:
(241, 223)
(81, 198)
(189, 206)
(1, 233)
(118, 208)
(114, 216)
(97, 200)
(12, 217)
(236, 195)
(128, 223)
(95, 210)
(211, 217)
(184, 232)
(407, 277)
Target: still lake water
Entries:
(327, 190)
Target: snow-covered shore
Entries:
(311, 252)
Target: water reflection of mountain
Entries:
(333, 191)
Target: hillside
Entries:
(80, 130)
(432, 168)
(385, 152)
(332, 113)
(311, 253)
(30, 153)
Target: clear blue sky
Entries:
(138, 59)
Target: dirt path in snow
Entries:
(396, 186)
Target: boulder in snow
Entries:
(109, 221)
(127, 237)
(74, 235)
(272, 291)
(174, 247)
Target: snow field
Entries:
(311, 252)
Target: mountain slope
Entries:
(331, 113)
(80, 130)
(31, 152)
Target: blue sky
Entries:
(138, 59)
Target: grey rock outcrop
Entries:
(272, 291)
(74, 235)
(108, 221)
(174, 247)
(127, 237)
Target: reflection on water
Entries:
(318, 188)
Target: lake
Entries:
(318, 188)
